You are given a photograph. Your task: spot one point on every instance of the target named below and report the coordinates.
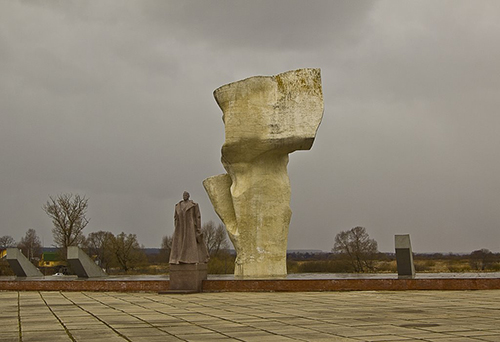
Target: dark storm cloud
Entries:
(113, 99)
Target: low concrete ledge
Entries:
(85, 285)
(290, 285)
(305, 285)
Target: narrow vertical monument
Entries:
(265, 118)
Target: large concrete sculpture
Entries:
(265, 118)
(21, 266)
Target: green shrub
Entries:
(424, 265)
(292, 266)
(495, 267)
(325, 266)
(387, 266)
(5, 269)
(223, 263)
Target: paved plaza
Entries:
(281, 316)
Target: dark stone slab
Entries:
(187, 277)
(404, 257)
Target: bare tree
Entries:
(7, 241)
(31, 246)
(68, 214)
(481, 259)
(127, 251)
(357, 246)
(166, 248)
(215, 237)
(99, 246)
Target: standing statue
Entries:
(265, 118)
(188, 245)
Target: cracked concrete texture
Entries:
(312, 316)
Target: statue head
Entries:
(185, 195)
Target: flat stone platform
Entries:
(437, 316)
(300, 283)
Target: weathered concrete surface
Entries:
(404, 256)
(82, 264)
(266, 118)
(187, 277)
(21, 266)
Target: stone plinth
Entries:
(187, 277)
(21, 266)
(404, 257)
(265, 118)
(82, 264)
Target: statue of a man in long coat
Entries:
(188, 245)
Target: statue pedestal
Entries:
(187, 277)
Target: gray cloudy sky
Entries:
(113, 100)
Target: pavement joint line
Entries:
(19, 316)
(57, 317)
(193, 323)
(98, 318)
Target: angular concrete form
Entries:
(83, 265)
(21, 266)
(404, 257)
(265, 118)
(187, 277)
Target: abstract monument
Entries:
(22, 267)
(265, 118)
(82, 264)
(404, 257)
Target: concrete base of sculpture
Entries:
(187, 277)
(404, 257)
(21, 266)
(265, 118)
(83, 265)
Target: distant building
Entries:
(51, 260)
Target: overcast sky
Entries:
(113, 100)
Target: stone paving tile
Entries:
(45, 336)
(9, 338)
(453, 339)
(141, 332)
(203, 337)
(95, 333)
(493, 338)
(153, 339)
